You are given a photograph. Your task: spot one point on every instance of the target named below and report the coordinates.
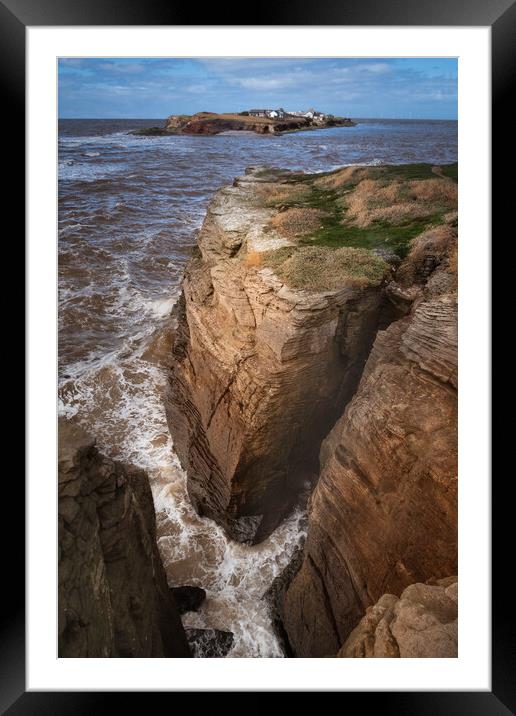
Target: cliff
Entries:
(262, 367)
(317, 348)
(114, 600)
(281, 303)
(214, 123)
(384, 512)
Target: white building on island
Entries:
(280, 113)
(271, 113)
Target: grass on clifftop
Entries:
(367, 207)
(325, 269)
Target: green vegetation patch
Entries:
(320, 268)
(379, 234)
(338, 230)
(451, 171)
(406, 172)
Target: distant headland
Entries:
(260, 121)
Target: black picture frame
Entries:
(500, 15)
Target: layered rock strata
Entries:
(384, 512)
(114, 600)
(261, 370)
(317, 345)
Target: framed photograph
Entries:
(258, 263)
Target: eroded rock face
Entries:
(421, 623)
(114, 600)
(260, 371)
(384, 512)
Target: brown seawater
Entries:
(129, 211)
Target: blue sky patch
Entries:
(157, 87)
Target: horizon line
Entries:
(434, 119)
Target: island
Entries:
(259, 121)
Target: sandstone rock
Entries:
(421, 623)
(260, 371)
(384, 512)
(114, 599)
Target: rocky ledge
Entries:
(214, 123)
(114, 600)
(317, 348)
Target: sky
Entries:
(412, 88)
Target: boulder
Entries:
(421, 623)
(188, 599)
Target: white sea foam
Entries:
(162, 307)
(120, 402)
(87, 171)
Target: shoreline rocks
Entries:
(114, 600)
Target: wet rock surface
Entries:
(188, 599)
(275, 597)
(209, 643)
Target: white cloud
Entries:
(129, 68)
(264, 83)
(378, 68)
(197, 89)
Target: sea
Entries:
(130, 208)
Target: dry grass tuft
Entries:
(324, 269)
(396, 201)
(342, 178)
(451, 217)
(427, 251)
(297, 221)
(434, 242)
(276, 195)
